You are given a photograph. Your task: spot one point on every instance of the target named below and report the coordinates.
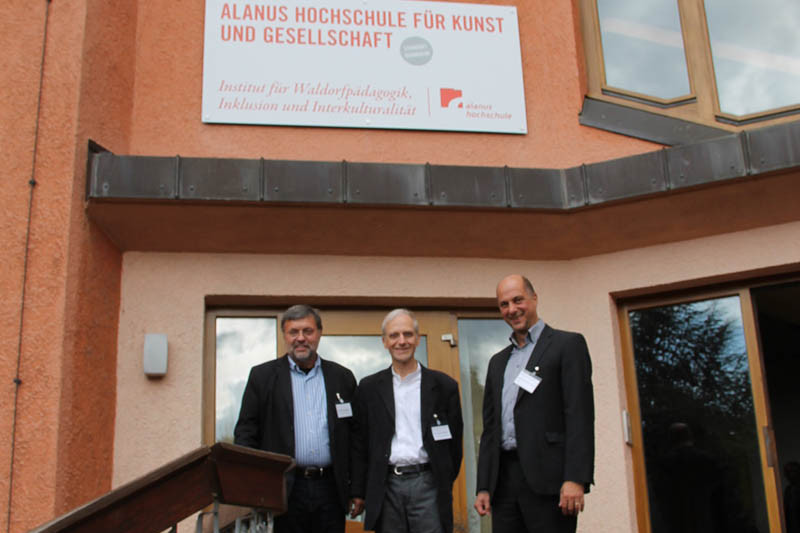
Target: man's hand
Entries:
(571, 501)
(356, 506)
(482, 504)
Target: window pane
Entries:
(756, 51)
(643, 47)
(478, 341)
(241, 344)
(364, 354)
(698, 422)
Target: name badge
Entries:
(343, 410)
(527, 381)
(441, 432)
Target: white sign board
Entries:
(363, 64)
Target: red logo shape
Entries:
(448, 95)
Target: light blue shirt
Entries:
(518, 360)
(311, 440)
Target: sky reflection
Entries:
(756, 51)
(755, 48)
(478, 340)
(643, 47)
(241, 344)
(363, 354)
(245, 342)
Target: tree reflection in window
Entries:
(698, 421)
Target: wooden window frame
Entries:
(209, 421)
(702, 104)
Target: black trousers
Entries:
(314, 507)
(515, 508)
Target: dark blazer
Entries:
(372, 444)
(554, 425)
(266, 419)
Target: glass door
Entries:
(700, 422)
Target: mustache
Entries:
(293, 348)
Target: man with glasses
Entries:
(299, 405)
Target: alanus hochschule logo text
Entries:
(450, 98)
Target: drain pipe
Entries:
(32, 184)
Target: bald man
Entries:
(536, 458)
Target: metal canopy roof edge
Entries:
(734, 156)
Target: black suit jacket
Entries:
(372, 444)
(554, 425)
(266, 419)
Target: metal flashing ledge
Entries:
(276, 206)
(645, 125)
(468, 186)
(774, 148)
(121, 176)
(378, 183)
(719, 159)
(625, 178)
(302, 181)
(715, 160)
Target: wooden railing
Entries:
(222, 473)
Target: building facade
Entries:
(652, 202)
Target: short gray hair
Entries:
(296, 312)
(396, 313)
(528, 285)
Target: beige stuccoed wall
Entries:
(158, 420)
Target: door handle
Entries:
(769, 446)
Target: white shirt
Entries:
(407, 440)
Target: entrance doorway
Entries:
(456, 342)
(777, 311)
(713, 399)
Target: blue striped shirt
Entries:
(518, 360)
(311, 441)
